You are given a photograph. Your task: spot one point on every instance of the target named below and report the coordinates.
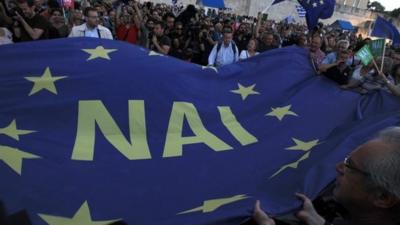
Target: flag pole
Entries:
(383, 56)
(267, 8)
(63, 10)
(376, 66)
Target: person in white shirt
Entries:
(224, 53)
(91, 28)
(251, 50)
(5, 36)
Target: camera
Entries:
(14, 11)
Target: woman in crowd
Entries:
(251, 50)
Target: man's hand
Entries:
(2, 9)
(18, 17)
(260, 216)
(382, 76)
(340, 61)
(154, 40)
(308, 214)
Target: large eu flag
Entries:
(94, 131)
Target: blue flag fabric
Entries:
(214, 3)
(99, 130)
(386, 29)
(317, 9)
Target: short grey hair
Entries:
(385, 170)
(345, 43)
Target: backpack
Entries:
(219, 48)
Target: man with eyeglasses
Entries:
(367, 186)
(91, 28)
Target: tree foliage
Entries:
(376, 6)
(395, 13)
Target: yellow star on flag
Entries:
(210, 67)
(245, 91)
(153, 53)
(321, 2)
(13, 157)
(281, 112)
(81, 217)
(46, 81)
(99, 52)
(315, 5)
(293, 165)
(303, 146)
(214, 204)
(12, 131)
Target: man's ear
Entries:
(385, 200)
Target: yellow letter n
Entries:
(94, 112)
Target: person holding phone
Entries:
(28, 25)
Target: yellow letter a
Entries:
(175, 141)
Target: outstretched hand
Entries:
(382, 76)
(260, 216)
(308, 214)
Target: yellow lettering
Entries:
(174, 140)
(94, 112)
(236, 129)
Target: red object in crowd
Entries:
(127, 34)
(68, 4)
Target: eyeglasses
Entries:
(348, 163)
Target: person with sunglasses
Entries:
(367, 186)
